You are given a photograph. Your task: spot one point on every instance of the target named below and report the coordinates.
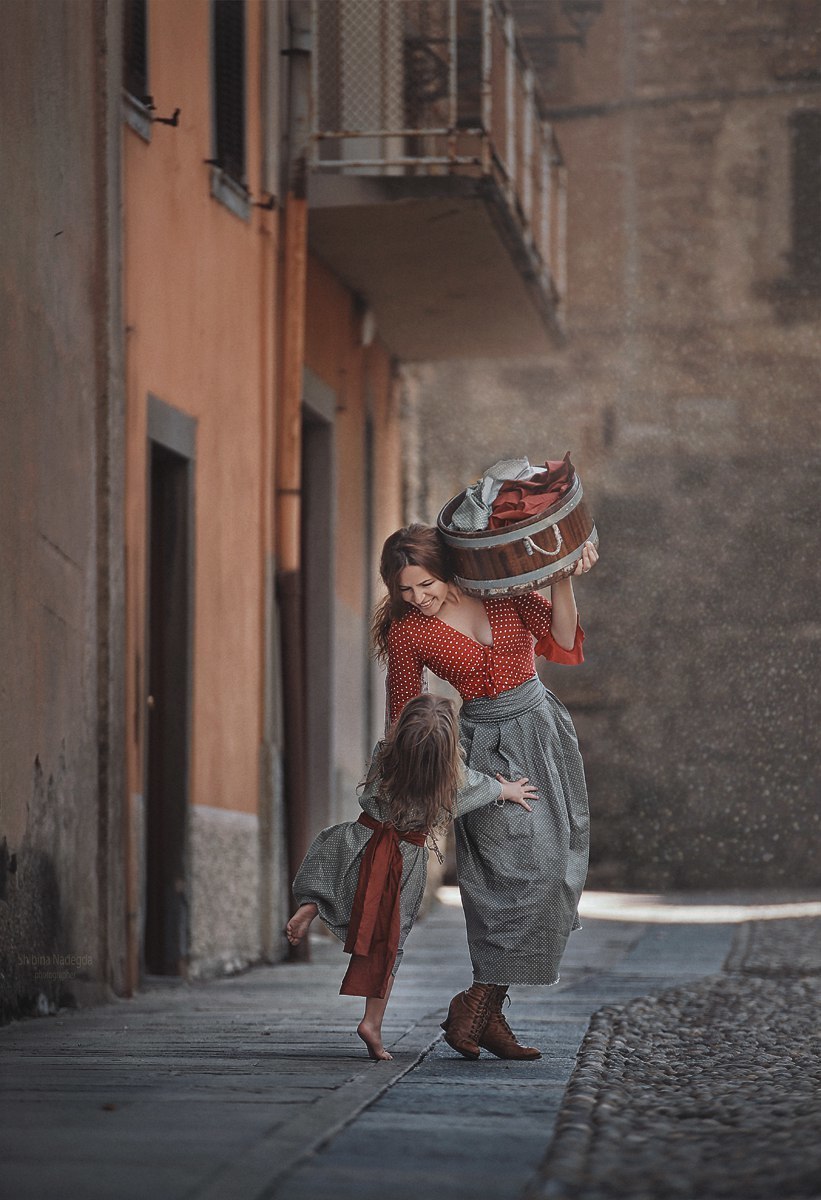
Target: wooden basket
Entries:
(524, 556)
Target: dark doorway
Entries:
(167, 766)
(318, 613)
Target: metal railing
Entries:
(439, 87)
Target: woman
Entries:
(520, 874)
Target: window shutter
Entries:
(229, 86)
(135, 48)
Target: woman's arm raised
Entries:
(536, 613)
(565, 616)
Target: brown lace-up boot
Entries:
(498, 1037)
(467, 1016)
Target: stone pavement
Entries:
(257, 1086)
(711, 1091)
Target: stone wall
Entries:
(688, 394)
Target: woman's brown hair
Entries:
(414, 546)
(421, 764)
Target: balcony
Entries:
(437, 190)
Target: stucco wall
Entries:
(362, 379)
(60, 523)
(200, 318)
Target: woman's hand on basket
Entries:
(518, 791)
(588, 560)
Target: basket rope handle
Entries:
(531, 547)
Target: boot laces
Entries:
(480, 1016)
(500, 1017)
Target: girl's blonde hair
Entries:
(421, 764)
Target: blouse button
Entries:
(487, 669)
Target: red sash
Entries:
(373, 930)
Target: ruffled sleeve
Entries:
(404, 669)
(536, 613)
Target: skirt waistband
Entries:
(507, 704)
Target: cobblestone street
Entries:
(707, 1090)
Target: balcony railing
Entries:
(440, 88)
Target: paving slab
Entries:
(257, 1086)
(457, 1129)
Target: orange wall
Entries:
(199, 310)
(388, 464)
(363, 380)
(357, 374)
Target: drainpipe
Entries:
(289, 437)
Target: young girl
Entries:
(366, 878)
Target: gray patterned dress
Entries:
(520, 874)
(330, 872)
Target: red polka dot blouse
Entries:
(416, 641)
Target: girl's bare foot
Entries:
(373, 1040)
(300, 923)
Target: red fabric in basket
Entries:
(519, 499)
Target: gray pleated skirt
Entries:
(521, 874)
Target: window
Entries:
(229, 88)
(805, 129)
(135, 48)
